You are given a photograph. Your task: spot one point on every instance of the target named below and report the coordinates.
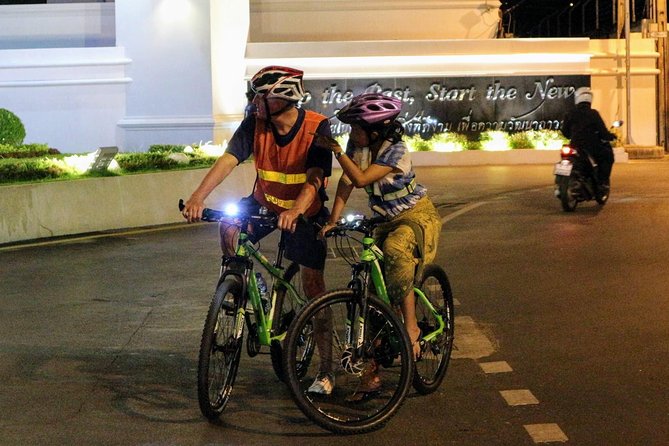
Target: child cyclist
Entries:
(378, 160)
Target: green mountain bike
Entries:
(365, 338)
(238, 304)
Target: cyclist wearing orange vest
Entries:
(291, 168)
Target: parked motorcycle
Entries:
(576, 178)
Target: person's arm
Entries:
(604, 133)
(239, 148)
(309, 193)
(359, 177)
(341, 197)
(218, 172)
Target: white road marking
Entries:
(546, 433)
(520, 397)
(495, 367)
(470, 342)
(459, 212)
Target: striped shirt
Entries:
(397, 191)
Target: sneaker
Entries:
(323, 384)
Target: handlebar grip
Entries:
(207, 214)
(212, 215)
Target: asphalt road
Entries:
(562, 329)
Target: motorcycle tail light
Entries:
(567, 151)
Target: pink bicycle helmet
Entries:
(279, 82)
(370, 109)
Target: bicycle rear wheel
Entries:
(285, 310)
(358, 403)
(436, 353)
(220, 349)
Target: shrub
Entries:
(32, 169)
(12, 131)
(24, 150)
(521, 140)
(166, 148)
(449, 142)
(494, 140)
(417, 144)
(546, 139)
(138, 162)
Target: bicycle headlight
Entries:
(231, 209)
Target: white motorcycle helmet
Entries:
(583, 94)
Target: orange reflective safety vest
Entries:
(282, 170)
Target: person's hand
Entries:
(326, 227)
(288, 220)
(327, 142)
(192, 210)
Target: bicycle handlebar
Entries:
(214, 215)
(357, 223)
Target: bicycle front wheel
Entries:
(435, 352)
(220, 349)
(365, 395)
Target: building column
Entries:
(229, 34)
(168, 100)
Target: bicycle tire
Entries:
(431, 368)
(284, 313)
(340, 412)
(218, 362)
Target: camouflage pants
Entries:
(409, 241)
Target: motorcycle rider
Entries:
(586, 130)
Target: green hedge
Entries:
(20, 168)
(25, 150)
(166, 148)
(140, 161)
(32, 169)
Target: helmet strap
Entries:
(281, 110)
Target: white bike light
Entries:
(231, 209)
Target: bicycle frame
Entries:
(371, 258)
(245, 251)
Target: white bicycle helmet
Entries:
(279, 82)
(583, 94)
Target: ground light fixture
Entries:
(97, 161)
(102, 158)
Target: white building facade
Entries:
(133, 73)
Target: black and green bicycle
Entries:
(237, 304)
(364, 345)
